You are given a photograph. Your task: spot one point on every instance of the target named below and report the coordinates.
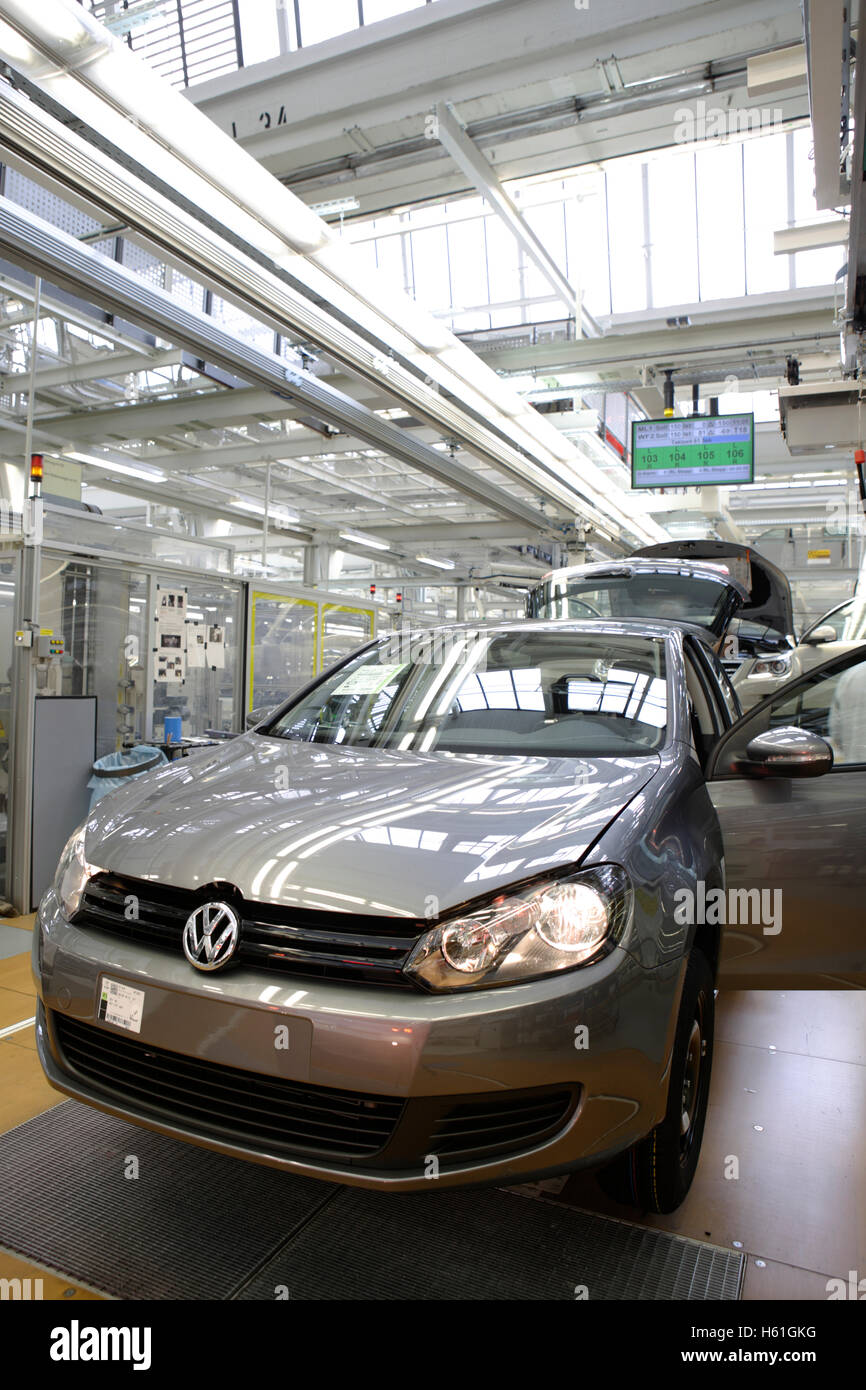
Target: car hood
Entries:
(358, 830)
(770, 602)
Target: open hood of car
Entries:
(700, 594)
(769, 601)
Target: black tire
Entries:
(656, 1173)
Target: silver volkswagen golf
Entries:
(442, 917)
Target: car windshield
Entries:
(663, 597)
(462, 691)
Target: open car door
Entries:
(793, 817)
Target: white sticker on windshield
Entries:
(369, 680)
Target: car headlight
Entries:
(772, 666)
(73, 872)
(541, 930)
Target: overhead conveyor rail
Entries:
(155, 164)
(46, 251)
(48, 144)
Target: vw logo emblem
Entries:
(210, 936)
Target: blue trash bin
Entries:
(115, 770)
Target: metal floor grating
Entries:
(189, 1226)
(198, 1225)
(488, 1244)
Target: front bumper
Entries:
(309, 1076)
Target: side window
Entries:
(836, 618)
(834, 707)
(830, 703)
(838, 621)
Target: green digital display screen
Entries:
(693, 451)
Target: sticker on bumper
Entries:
(121, 1005)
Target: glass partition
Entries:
(98, 610)
(102, 611)
(284, 641)
(343, 630)
(293, 636)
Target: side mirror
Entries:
(256, 716)
(787, 752)
(825, 633)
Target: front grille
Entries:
(297, 941)
(293, 1119)
(506, 1124)
(255, 1110)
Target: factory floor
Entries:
(788, 1103)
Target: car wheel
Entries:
(656, 1173)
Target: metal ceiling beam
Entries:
(323, 94)
(283, 446)
(180, 463)
(512, 127)
(337, 483)
(481, 172)
(284, 450)
(451, 533)
(44, 250)
(428, 175)
(164, 495)
(777, 70)
(298, 447)
(445, 386)
(661, 347)
(108, 367)
(810, 236)
(68, 313)
(197, 410)
(191, 190)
